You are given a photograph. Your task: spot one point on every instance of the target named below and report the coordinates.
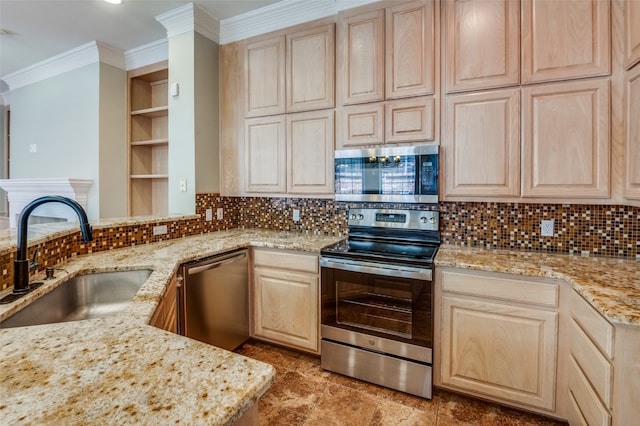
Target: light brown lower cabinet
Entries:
(498, 337)
(285, 299)
(536, 344)
(604, 369)
(166, 314)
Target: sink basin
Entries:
(82, 297)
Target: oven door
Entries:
(380, 307)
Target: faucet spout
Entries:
(21, 264)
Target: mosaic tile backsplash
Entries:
(579, 229)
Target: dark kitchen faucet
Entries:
(21, 265)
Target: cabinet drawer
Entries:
(502, 288)
(574, 416)
(594, 365)
(286, 260)
(585, 397)
(595, 326)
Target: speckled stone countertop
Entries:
(119, 369)
(612, 286)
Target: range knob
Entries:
(431, 220)
(353, 216)
(361, 216)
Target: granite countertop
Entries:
(119, 369)
(610, 285)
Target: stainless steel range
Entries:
(377, 299)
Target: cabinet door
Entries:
(410, 120)
(265, 77)
(310, 147)
(360, 125)
(632, 180)
(286, 307)
(165, 315)
(265, 154)
(566, 140)
(361, 57)
(311, 69)
(565, 39)
(500, 351)
(483, 44)
(410, 49)
(482, 144)
(632, 32)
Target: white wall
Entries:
(182, 124)
(113, 142)
(74, 119)
(4, 210)
(193, 120)
(207, 115)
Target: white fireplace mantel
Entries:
(21, 192)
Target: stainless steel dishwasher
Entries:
(214, 300)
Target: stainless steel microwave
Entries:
(390, 174)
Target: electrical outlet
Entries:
(183, 185)
(219, 213)
(208, 215)
(546, 228)
(296, 215)
(160, 230)
(33, 147)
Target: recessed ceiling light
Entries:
(114, 1)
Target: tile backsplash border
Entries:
(579, 229)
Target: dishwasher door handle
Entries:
(213, 265)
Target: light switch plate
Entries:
(208, 215)
(219, 213)
(296, 215)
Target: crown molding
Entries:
(147, 54)
(70, 60)
(190, 18)
(281, 15)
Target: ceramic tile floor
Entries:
(304, 394)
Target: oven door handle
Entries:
(377, 268)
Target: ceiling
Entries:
(40, 29)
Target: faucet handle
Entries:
(33, 264)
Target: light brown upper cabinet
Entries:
(565, 39)
(361, 57)
(360, 125)
(265, 77)
(310, 60)
(482, 44)
(410, 120)
(265, 151)
(290, 72)
(387, 53)
(310, 149)
(632, 180)
(632, 32)
(566, 140)
(482, 144)
(410, 50)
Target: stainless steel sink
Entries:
(82, 297)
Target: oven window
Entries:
(382, 305)
(391, 307)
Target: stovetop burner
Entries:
(390, 236)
